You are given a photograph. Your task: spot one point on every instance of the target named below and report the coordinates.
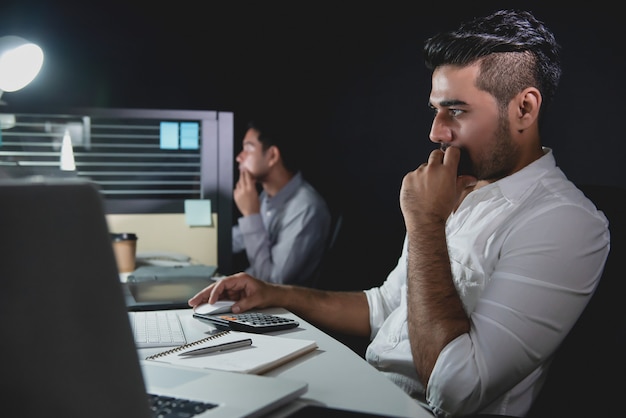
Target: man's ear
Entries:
(273, 155)
(527, 104)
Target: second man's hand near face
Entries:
(246, 195)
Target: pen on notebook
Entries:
(218, 347)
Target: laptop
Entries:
(67, 346)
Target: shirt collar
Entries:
(286, 192)
(514, 186)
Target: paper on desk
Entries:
(198, 212)
(265, 353)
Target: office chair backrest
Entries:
(321, 275)
(586, 378)
(334, 231)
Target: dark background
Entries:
(352, 71)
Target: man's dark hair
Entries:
(276, 130)
(515, 51)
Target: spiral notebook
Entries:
(265, 353)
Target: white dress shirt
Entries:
(526, 255)
(286, 240)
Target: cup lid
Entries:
(124, 236)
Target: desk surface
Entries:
(337, 376)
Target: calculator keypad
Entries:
(251, 321)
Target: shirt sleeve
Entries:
(296, 250)
(546, 273)
(237, 243)
(384, 299)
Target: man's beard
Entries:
(500, 159)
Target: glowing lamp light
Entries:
(20, 62)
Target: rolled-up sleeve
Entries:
(386, 298)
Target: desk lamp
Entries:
(20, 62)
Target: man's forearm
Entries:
(435, 311)
(345, 312)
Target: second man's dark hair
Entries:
(279, 132)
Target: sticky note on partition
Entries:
(198, 212)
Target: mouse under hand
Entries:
(214, 308)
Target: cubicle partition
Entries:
(166, 175)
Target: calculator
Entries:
(256, 322)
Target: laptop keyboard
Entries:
(156, 329)
(166, 406)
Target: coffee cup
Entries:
(125, 249)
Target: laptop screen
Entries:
(62, 315)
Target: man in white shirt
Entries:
(284, 229)
(497, 263)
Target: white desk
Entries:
(336, 375)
